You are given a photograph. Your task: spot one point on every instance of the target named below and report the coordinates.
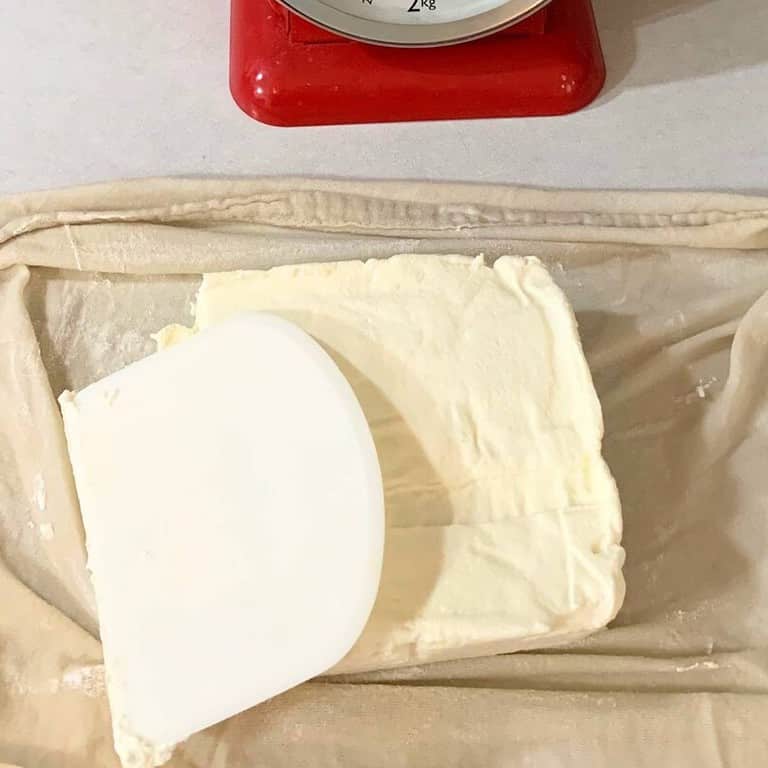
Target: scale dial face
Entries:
(414, 22)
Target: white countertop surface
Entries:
(100, 90)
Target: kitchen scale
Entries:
(321, 62)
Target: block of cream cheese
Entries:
(234, 519)
(503, 520)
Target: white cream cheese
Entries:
(503, 520)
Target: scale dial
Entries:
(414, 22)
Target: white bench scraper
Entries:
(234, 518)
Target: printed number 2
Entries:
(417, 5)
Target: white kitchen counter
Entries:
(93, 90)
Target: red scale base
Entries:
(286, 71)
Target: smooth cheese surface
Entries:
(503, 520)
(234, 520)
